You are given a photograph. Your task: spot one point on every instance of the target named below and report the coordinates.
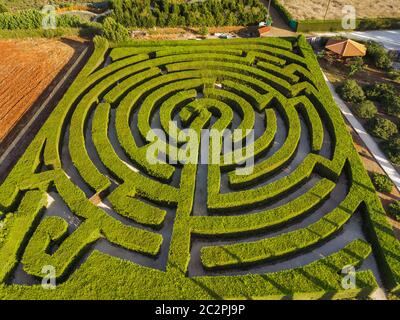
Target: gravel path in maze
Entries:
(86, 199)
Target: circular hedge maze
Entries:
(85, 201)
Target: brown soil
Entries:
(27, 68)
(315, 9)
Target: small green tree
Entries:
(366, 109)
(114, 31)
(379, 56)
(350, 91)
(203, 31)
(392, 149)
(391, 104)
(355, 65)
(378, 90)
(382, 128)
(382, 182)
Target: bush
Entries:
(394, 209)
(394, 75)
(379, 56)
(355, 65)
(114, 31)
(382, 182)
(378, 90)
(391, 104)
(351, 91)
(203, 31)
(392, 149)
(366, 109)
(382, 128)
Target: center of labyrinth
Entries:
(194, 170)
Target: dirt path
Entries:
(279, 26)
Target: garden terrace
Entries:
(87, 199)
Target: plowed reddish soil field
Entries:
(28, 69)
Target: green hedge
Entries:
(139, 80)
(245, 253)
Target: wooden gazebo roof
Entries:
(346, 48)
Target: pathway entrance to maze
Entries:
(85, 200)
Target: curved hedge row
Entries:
(149, 212)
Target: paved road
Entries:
(364, 135)
(390, 39)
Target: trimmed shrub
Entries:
(366, 109)
(350, 91)
(394, 209)
(382, 128)
(382, 182)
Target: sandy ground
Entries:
(315, 9)
(27, 68)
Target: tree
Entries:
(382, 128)
(378, 90)
(351, 91)
(355, 65)
(379, 56)
(392, 149)
(203, 31)
(382, 182)
(366, 109)
(114, 31)
(391, 104)
(146, 13)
